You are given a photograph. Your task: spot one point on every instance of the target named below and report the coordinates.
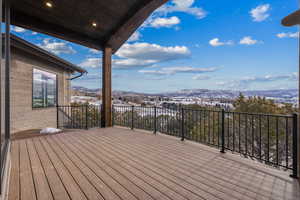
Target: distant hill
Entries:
(204, 93)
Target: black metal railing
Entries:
(78, 117)
(271, 139)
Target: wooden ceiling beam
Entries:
(292, 19)
(131, 23)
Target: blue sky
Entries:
(187, 44)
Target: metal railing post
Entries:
(113, 115)
(182, 124)
(132, 117)
(57, 117)
(223, 132)
(86, 117)
(295, 146)
(155, 120)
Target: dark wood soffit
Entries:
(131, 23)
(29, 22)
(292, 19)
(114, 39)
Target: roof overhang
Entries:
(92, 23)
(32, 49)
(292, 19)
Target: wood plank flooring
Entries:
(121, 164)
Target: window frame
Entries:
(32, 88)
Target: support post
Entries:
(295, 146)
(223, 132)
(106, 115)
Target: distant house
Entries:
(39, 81)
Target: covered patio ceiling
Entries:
(92, 23)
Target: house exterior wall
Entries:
(23, 116)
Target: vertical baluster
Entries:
(155, 120)
(286, 142)
(204, 128)
(239, 132)
(295, 146)
(268, 140)
(246, 134)
(132, 117)
(197, 126)
(233, 131)
(182, 124)
(209, 127)
(228, 130)
(213, 112)
(223, 132)
(57, 117)
(219, 128)
(260, 137)
(252, 134)
(86, 116)
(277, 142)
(201, 126)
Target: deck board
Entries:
(74, 190)
(14, 184)
(114, 174)
(27, 186)
(120, 164)
(43, 191)
(56, 186)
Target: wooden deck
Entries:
(117, 163)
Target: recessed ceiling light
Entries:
(49, 4)
(94, 24)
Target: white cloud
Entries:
(56, 47)
(201, 77)
(91, 62)
(94, 51)
(164, 22)
(185, 6)
(129, 63)
(268, 78)
(260, 13)
(288, 35)
(221, 83)
(175, 70)
(146, 54)
(18, 29)
(245, 82)
(248, 41)
(135, 37)
(141, 55)
(216, 42)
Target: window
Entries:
(44, 89)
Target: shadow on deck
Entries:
(117, 163)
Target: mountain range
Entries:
(204, 93)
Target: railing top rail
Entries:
(191, 109)
(259, 114)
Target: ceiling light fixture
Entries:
(49, 4)
(94, 24)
